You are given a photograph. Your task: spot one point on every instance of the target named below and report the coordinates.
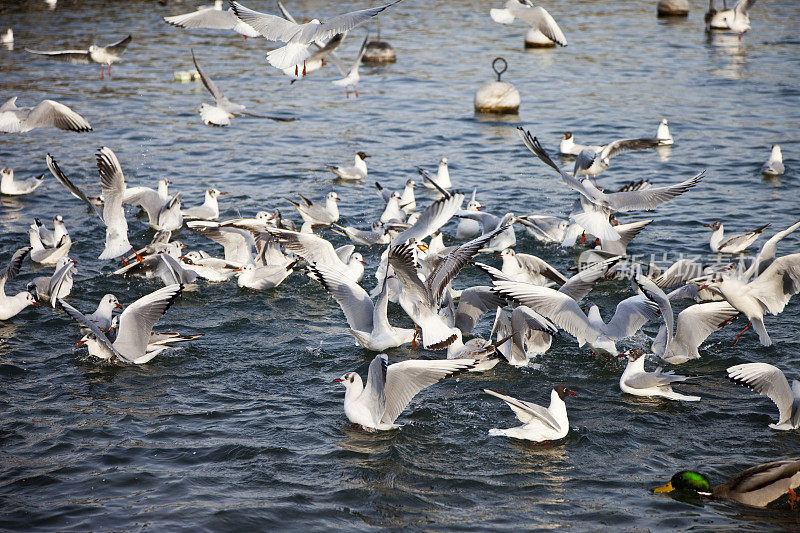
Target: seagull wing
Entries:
(237, 243)
(434, 217)
(272, 27)
(582, 283)
(312, 248)
(112, 183)
(542, 267)
(649, 198)
(374, 394)
(213, 19)
(56, 280)
(401, 259)
(539, 18)
(768, 380)
(742, 239)
(559, 308)
(654, 293)
(473, 303)
(778, 283)
(84, 321)
(532, 143)
(137, 320)
(77, 57)
(13, 268)
(351, 297)
(209, 83)
(404, 380)
(347, 21)
(50, 113)
(657, 378)
(698, 321)
(631, 314)
(527, 412)
(627, 145)
(119, 46)
(452, 264)
(63, 180)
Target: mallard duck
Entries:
(756, 486)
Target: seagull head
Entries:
(633, 354)
(563, 392)
(411, 183)
(30, 299)
(362, 155)
(333, 196)
(714, 225)
(567, 135)
(351, 380)
(357, 257)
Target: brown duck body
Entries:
(762, 484)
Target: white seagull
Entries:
(135, 326)
(390, 388)
(736, 20)
(637, 381)
(20, 187)
(47, 113)
(103, 316)
(317, 214)
(298, 37)
(535, 16)
(11, 306)
(767, 293)
(774, 165)
(59, 285)
(368, 321)
(768, 380)
(732, 244)
(538, 424)
(316, 250)
(442, 177)
(694, 325)
(355, 173)
(209, 210)
(104, 55)
(352, 78)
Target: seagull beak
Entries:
(237, 269)
(708, 226)
(571, 393)
(623, 354)
(119, 305)
(363, 262)
(702, 287)
(337, 380)
(36, 304)
(664, 488)
(221, 193)
(80, 343)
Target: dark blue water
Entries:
(243, 429)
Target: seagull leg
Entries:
(292, 82)
(304, 67)
(793, 499)
(101, 71)
(740, 334)
(727, 321)
(583, 238)
(297, 70)
(138, 257)
(124, 263)
(355, 91)
(414, 342)
(108, 70)
(347, 93)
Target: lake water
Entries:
(243, 428)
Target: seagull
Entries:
(528, 268)
(18, 188)
(393, 212)
(559, 307)
(489, 223)
(768, 380)
(420, 299)
(774, 165)
(568, 146)
(7, 37)
(769, 292)
(355, 173)
(736, 20)
(390, 388)
(209, 210)
(214, 18)
(469, 228)
(545, 228)
(352, 78)
(48, 256)
(171, 272)
(316, 60)
(103, 316)
(104, 55)
(538, 424)
(733, 244)
(260, 278)
(50, 238)
(375, 235)
(112, 183)
(694, 325)
(223, 110)
(298, 37)
(766, 255)
(431, 219)
(663, 135)
(598, 205)
(237, 243)
(594, 159)
(135, 326)
(531, 334)
(316, 250)
(47, 113)
(442, 177)
(11, 306)
(637, 381)
(59, 285)
(316, 214)
(368, 321)
(535, 16)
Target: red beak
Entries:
(571, 393)
(36, 304)
(119, 305)
(222, 193)
(80, 343)
(338, 380)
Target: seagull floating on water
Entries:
(538, 424)
(20, 187)
(355, 173)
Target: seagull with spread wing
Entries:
(104, 55)
(47, 113)
(298, 37)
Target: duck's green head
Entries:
(687, 480)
